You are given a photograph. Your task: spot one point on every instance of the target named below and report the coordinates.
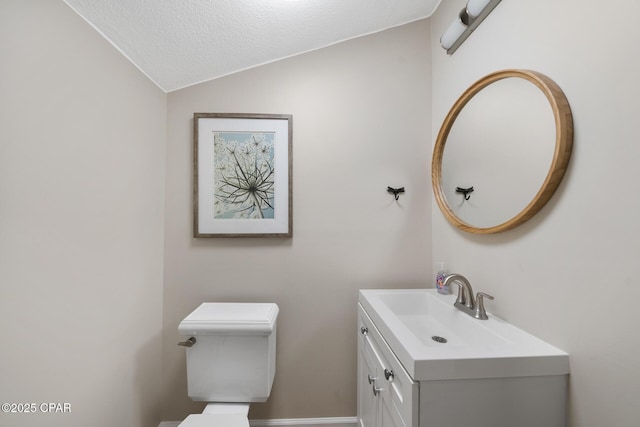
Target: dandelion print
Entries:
(243, 175)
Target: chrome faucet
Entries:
(466, 302)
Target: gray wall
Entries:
(571, 274)
(361, 122)
(82, 163)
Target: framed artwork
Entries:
(242, 175)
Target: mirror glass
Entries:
(502, 151)
(501, 144)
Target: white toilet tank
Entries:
(234, 356)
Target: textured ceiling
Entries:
(178, 43)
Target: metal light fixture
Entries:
(468, 19)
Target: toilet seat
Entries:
(215, 420)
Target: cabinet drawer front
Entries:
(398, 389)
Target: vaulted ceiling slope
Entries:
(179, 43)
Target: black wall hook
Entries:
(466, 192)
(396, 191)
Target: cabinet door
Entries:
(368, 401)
(387, 395)
(398, 391)
(377, 406)
(392, 394)
(388, 415)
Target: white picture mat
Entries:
(207, 224)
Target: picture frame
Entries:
(242, 175)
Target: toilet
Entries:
(231, 360)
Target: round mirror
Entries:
(508, 140)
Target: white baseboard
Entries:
(307, 422)
(292, 422)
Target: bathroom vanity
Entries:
(424, 363)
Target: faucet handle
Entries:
(462, 295)
(465, 293)
(480, 311)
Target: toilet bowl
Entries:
(231, 350)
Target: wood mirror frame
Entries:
(563, 145)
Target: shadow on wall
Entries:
(147, 384)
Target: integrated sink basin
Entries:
(435, 341)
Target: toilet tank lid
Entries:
(224, 318)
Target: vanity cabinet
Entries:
(388, 396)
